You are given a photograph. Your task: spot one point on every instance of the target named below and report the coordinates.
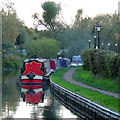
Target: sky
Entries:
(26, 8)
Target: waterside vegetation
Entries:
(102, 62)
(12, 62)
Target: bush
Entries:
(44, 47)
(88, 58)
(11, 62)
(85, 60)
(102, 62)
(114, 66)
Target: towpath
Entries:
(68, 77)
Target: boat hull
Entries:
(37, 81)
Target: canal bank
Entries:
(81, 106)
(99, 98)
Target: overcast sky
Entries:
(91, 8)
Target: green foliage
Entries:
(44, 47)
(12, 29)
(10, 23)
(78, 19)
(11, 62)
(50, 12)
(88, 59)
(102, 62)
(6, 45)
(22, 38)
(88, 78)
(51, 9)
(73, 38)
(75, 41)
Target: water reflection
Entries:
(29, 101)
(33, 95)
(10, 93)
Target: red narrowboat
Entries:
(54, 65)
(35, 72)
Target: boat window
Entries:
(47, 66)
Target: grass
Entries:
(104, 100)
(86, 77)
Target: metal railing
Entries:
(88, 105)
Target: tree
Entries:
(75, 39)
(44, 47)
(22, 38)
(78, 19)
(10, 25)
(51, 10)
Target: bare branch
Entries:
(40, 22)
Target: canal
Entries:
(15, 104)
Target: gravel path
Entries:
(68, 77)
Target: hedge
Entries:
(102, 62)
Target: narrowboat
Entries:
(64, 62)
(76, 61)
(35, 72)
(54, 64)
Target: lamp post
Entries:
(116, 45)
(98, 29)
(89, 42)
(108, 46)
(95, 40)
(102, 46)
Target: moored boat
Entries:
(35, 72)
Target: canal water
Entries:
(20, 103)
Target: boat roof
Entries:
(36, 59)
